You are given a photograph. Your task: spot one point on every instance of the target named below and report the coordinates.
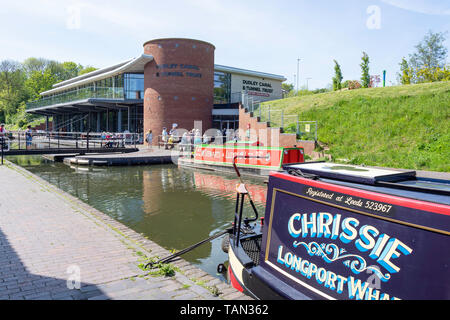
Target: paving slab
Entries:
(54, 246)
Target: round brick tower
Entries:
(179, 84)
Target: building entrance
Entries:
(225, 122)
(229, 124)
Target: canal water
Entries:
(172, 206)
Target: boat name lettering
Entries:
(356, 288)
(230, 154)
(383, 248)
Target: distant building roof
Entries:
(221, 68)
(136, 65)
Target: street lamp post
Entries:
(295, 77)
(307, 87)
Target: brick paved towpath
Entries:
(49, 240)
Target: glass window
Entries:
(134, 85)
(222, 87)
(109, 88)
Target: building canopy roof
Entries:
(136, 65)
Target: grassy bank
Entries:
(403, 126)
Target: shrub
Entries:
(353, 84)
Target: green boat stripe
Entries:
(238, 164)
(244, 147)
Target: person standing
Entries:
(165, 137)
(29, 136)
(149, 138)
(184, 142)
(227, 135)
(2, 138)
(247, 132)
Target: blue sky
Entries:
(259, 35)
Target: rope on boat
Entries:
(228, 230)
(246, 220)
(179, 253)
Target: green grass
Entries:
(403, 126)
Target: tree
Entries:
(430, 52)
(23, 82)
(86, 69)
(428, 63)
(365, 76)
(35, 64)
(287, 87)
(12, 91)
(406, 72)
(71, 70)
(39, 82)
(337, 79)
(433, 74)
(374, 81)
(353, 84)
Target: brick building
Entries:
(173, 81)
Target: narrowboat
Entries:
(252, 159)
(344, 232)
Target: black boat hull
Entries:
(333, 241)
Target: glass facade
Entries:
(134, 85)
(222, 87)
(126, 119)
(122, 86)
(128, 86)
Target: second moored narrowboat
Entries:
(251, 159)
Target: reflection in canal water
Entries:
(173, 207)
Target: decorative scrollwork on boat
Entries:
(331, 253)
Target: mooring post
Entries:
(87, 140)
(316, 130)
(1, 142)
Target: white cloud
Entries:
(432, 7)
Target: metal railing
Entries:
(178, 142)
(79, 94)
(289, 123)
(186, 145)
(23, 140)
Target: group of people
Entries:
(193, 138)
(28, 135)
(169, 139)
(112, 140)
(189, 139)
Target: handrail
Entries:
(256, 107)
(240, 196)
(24, 140)
(79, 94)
